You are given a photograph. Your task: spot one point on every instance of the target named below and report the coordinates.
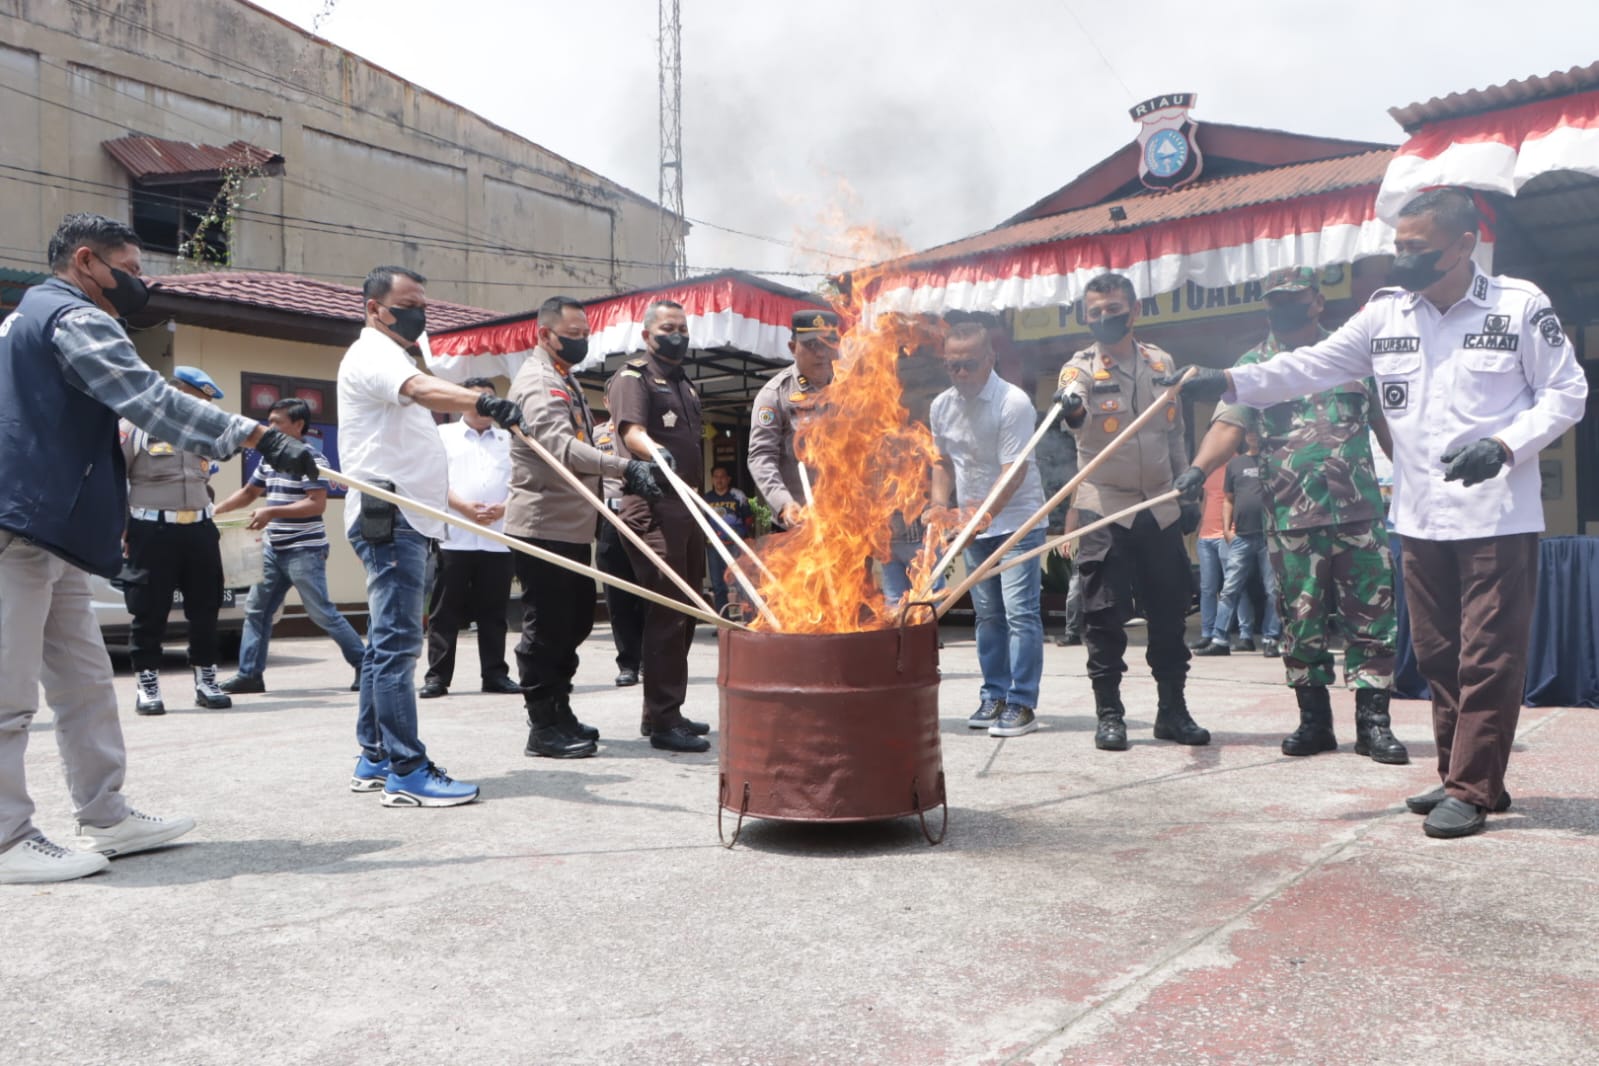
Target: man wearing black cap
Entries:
(172, 545)
(783, 404)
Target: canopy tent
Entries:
(1216, 233)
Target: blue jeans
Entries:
(1010, 624)
(306, 569)
(1212, 566)
(395, 578)
(716, 570)
(896, 573)
(1248, 552)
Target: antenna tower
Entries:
(672, 256)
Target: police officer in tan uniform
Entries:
(1142, 558)
(784, 403)
(172, 544)
(652, 400)
(558, 605)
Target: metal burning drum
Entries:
(831, 727)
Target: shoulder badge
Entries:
(1479, 287)
(1548, 324)
(638, 364)
(766, 416)
(1069, 374)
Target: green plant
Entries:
(220, 218)
(763, 516)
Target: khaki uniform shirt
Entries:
(160, 477)
(782, 405)
(1113, 395)
(554, 413)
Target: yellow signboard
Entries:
(1188, 304)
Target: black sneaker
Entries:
(1014, 721)
(1244, 644)
(678, 738)
(239, 684)
(1270, 649)
(1195, 645)
(987, 714)
(1215, 647)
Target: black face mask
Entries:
(130, 295)
(409, 322)
(573, 349)
(1416, 270)
(1111, 328)
(673, 346)
(1288, 318)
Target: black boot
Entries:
(571, 724)
(548, 736)
(1372, 735)
(1112, 732)
(1172, 720)
(1315, 732)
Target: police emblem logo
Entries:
(766, 416)
(1548, 324)
(1069, 374)
(1111, 425)
(1395, 395)
(669, 419)
(1110, 405)
(1168, 154)
(1496, 324)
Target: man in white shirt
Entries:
(387, 437)
(981, 424)
(1475, 375)
(474, 573)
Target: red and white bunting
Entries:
(1227, 248)
(1499, 151)
(723, 312)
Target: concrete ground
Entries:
(1163, 905)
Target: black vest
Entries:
(63, 484)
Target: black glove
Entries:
(1071, 404)
(1476, 462)
(507, 414)
(1190, 485)
(1188, 515)
(1205, 384)
(640, 480)
(287, 455)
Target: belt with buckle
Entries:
(177, 518)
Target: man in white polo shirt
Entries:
(1475, 376)
(387, 437)
(474, 579)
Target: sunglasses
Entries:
(962, 366)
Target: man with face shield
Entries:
(1324, 530)
(783, 403)
(558, 606)
(67, 371)
(387, 437)
(1102, 389)
(1475, 376)
(652, 400)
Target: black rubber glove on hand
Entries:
(1190, 485)
(1071, 408)
(1475, 463)
(505, 413)
(1206, 383)
(287, 455)
(641, 479)
(1188, 516)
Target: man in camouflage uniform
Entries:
(1326, 534)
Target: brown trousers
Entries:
(668, 634)
(1471, 607)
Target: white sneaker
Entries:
(137, 832)
(37, 861)
(207, 693)
(149, 698)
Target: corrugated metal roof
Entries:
(1495, 97)
(300, 295)
(154, 161)
(1202, 198)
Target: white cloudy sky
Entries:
(930, 119)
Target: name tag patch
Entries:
(1393, 345)
(1107, 386)
(1499, 342)
(1395, 395)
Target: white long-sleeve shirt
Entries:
(1496, 364)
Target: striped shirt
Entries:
(283, 489)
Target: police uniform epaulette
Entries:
(636, 367)
(1388, 290)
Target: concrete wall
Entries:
(493, 220)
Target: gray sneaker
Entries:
(987, 714)
(1014, 721)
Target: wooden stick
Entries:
(1060, 497)
(721, 522)
(690, 498)
(616, 520)
(526, 549)
(965, 535)
(1098, 523)
(810, 501)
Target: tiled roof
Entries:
(1201, 198)
(300, 295)
(156, 161)
(1495, 97)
